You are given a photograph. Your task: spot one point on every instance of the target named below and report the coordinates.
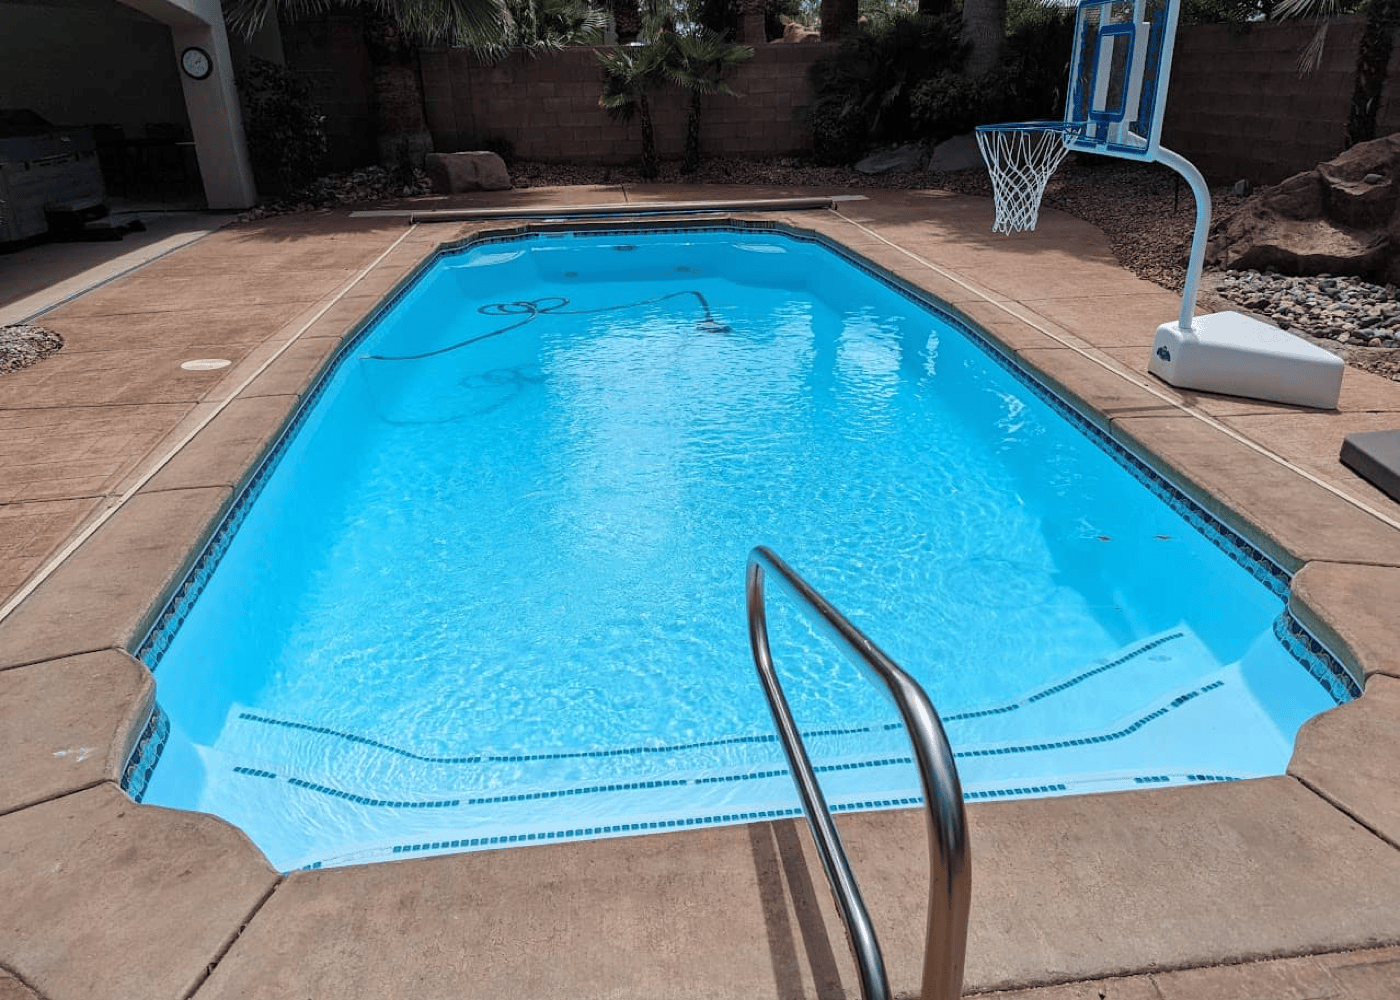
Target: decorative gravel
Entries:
(24, 344)
(1354, 318)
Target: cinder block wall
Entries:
(329, 50)
(548, 107)
(1238, 108)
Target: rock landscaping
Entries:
(24, 344)
(1149, 217)
(1340, 218)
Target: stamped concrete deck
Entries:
(115, 462)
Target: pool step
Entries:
(1101, 694)
(1175, 739)
(370, 827)
(383, 765)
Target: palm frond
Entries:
(1311, 57)
(466, 23)
(1291, 9)
(247, 16)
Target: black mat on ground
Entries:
(1375, 457)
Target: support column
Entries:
(216, 119)
(212, 103)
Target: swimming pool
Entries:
(490, 590)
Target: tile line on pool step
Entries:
(116, 504)
(1132, 377)
(602, 829)
(1030, 698)
(1123, 731)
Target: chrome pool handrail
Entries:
(950, 873)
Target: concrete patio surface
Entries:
(116, 464)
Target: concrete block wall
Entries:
(547, 108)
(1237, 106)
(1239, 109)
(329, 50)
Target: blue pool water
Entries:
(491, 589)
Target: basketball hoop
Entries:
(1020, 157)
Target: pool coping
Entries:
(68, 640)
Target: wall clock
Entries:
(196, 62)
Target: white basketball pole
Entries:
(1196, 263)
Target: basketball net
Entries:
(1020, 157)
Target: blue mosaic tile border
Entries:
(753, 816)
(1011, 793)
(1335, 678)
(141, 763)
(650, 826)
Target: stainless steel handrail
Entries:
(950, 872)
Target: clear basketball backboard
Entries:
(1118, 76)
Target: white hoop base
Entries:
(1237, 355)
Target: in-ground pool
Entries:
(488, 589)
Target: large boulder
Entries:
(453, 173)
(958, 153)
(797, 34)
(1341, 218)
(893, 161)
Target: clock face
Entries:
(196, 63)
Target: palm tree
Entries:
(393, 30)
(630, 74)
(539, 26)
(698, 62)
(984, 27)
(426, 22)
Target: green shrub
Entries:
(1030, 82)
(285, 129)
(863, 94)
(949, 104)
(900, 79)
(838, 135)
